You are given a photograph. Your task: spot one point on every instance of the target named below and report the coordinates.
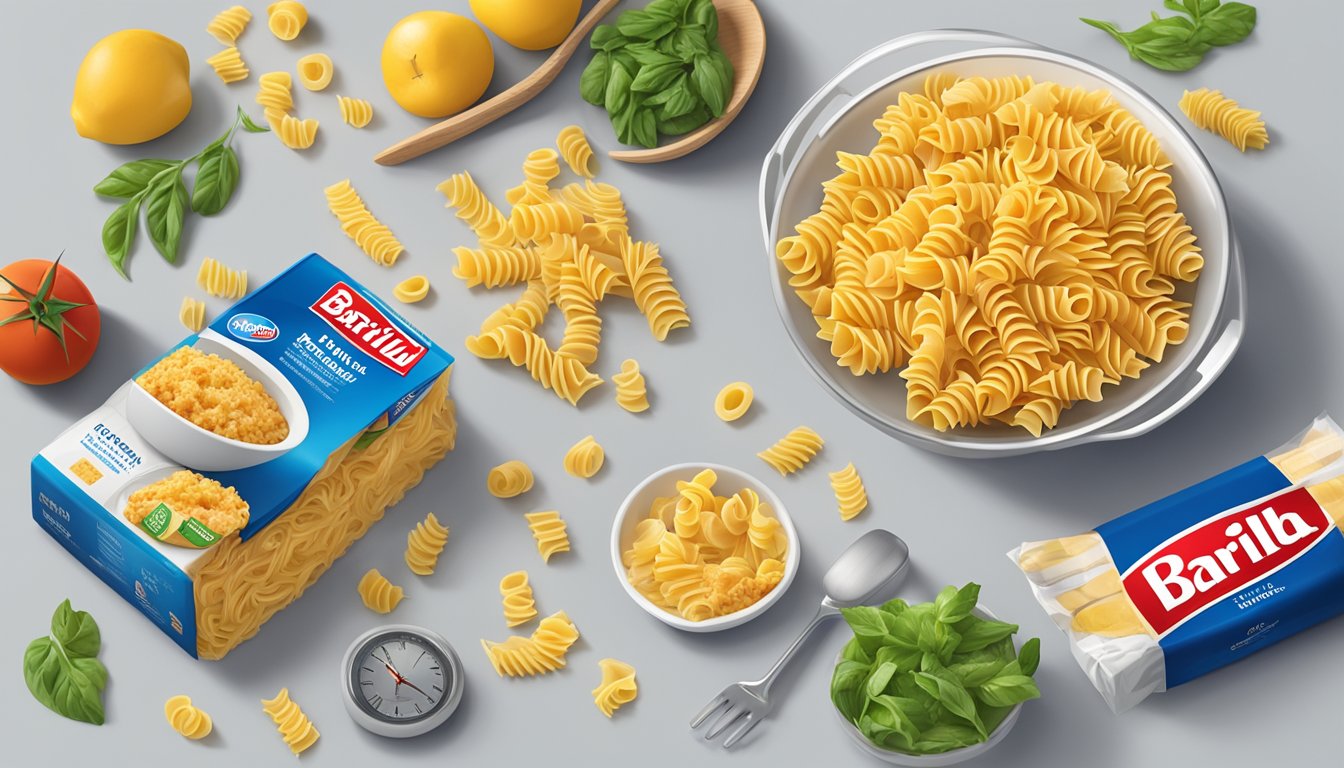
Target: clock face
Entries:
(400, 677)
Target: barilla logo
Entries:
(1196, 568)
(251, 327)
(361, 323)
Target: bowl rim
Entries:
(792, 558)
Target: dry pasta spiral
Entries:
(539, 222)
(585, 458)
(473, 207)
(576, 151)
(734, 400)
(412, 289)
(315, 71)
(187, 720)
(275, 96)
(793, 451)
(379, 594)
(286, 18)
(294, 132)
(228, 25)
(493, 267)
(544, 651)
(221, 281)
(192, 314)
(850, 494)
(519, 605)
(356, 113)
(371, 235)
(566, 376)
(549, 530)
(229, 65)
(509, 479)
(294, 726)
(1212, 111)
(424, 544)
(631, 391)
(654, 292)
(617, 687)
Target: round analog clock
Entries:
(401, 680)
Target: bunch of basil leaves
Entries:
(1178, 43)
(62, 670)
(930, 678)
(659, 70)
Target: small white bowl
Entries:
(202, 449)
(664, 483)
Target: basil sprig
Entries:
(930, 678)
(1178, 43)
(62, 670)
(659, 71)
(158, 187)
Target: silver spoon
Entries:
(869, 569)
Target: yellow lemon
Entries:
(133, 86)
(436, 63)
(532, 25)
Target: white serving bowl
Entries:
(839, 117)
(664, 483)
(202, 449)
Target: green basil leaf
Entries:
(165, 209)
(1007, 690)
(76, 631)
(130, 179)
(902, 657)
(92, 669)
(1169, 54)
(666, 9)
(708, 80)
(952, 696)
(607, 38)
(981, 633)
(216, 179)
(1029, 657)
(653, 78)
(890, 724)
(1108, 28)
(946, 737)
(688, 42)
(865, 621)
(249, 124)
(847, 688)
(644, 26)
(617, 97)
(69, 690)
(661, 97)
(644, 127)
(955, 606)
(119, 233)
(647, 55)
(682, 100)
(894, 607)
(853, 651)
(975, 673)
(593, 81)
(707, 16)
(1227, 24)
(878, 679)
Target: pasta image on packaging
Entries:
(344, 400)
(1204, 577)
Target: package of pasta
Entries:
(225, 477)
(1204, 577)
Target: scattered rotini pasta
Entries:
(275, 95)
(701, 555)
(548, 528)
(617, 687)
(356, 113)
(228, 25)
(371, 235)
(585, 458)
(315, 71)
(539, 654)
(850, 495)
(519, 605)
(220, 281)
(654, 293)
(187, 720)
(286, 18)
(509, 479)
(229, 65)
(412, 289)
(493, 267)
(793, 451)
(734, 400)
(1212, 111)
(424, 544)
(294, 726)
(1008, 246)
(632, 392)
(379, 594)
(192, 314)
(576, 151)
(294, 132)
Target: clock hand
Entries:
(417, 689)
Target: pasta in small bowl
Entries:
(704, 547)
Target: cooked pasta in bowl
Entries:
(1001, 249)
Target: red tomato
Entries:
(36, 316)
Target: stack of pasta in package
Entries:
(1203, 577)
(213, 488)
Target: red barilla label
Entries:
(359, 322)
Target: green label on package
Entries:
(168, 526)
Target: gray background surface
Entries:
(958, 516)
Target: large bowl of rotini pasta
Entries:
(987, 248)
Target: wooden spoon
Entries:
(459, 125)
(742, 36)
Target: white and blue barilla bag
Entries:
(1203, 577)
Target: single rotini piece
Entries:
(493, 267)
(286, 18)
(356, 113)
(379, 594)
(228, 25)
(412, 289)
(793, 451)
(632, 392)
(229, 65)
(473, 207)
(734, 400)
(192, 314)
(544, 651)
(371, 235)
(424, 544)
(539, 222)
(294, 726)
(220, 281)
(585, 458)
(655, 295)
(548, 528)
(187, 720)
(275, 95)
(520, 606)
(850, 495)
(541, 166)
(1212, 111)
(294, 132)
(315, 71)
(509, 479)
(566, 376)
(576, 150)
(617, 687)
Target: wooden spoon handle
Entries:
(453, 128)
